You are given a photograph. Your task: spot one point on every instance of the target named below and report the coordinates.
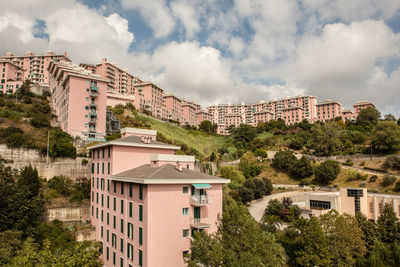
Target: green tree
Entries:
(236, 177)
(206, 126)
(61, 184)
(283, 160)
(327, 171)
(301, 169)
(29, 179)
(368, 116)
(386, 137)
(369, 229)
(261, 153)
(326, 138)
(252, 247)
(10, 243)
(388, 226)
(389, 117)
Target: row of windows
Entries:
(129, 254)
(185, 212)
(115, 185)
(97, 151)
(102, 168)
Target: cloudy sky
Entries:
(225, 51)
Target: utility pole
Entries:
(48, 140)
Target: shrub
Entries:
(61, 184)
(255, 189)
(261, 153)
(356, 176)
(9, 131)
(363, 184)
(251, 171)
(301, 168)
(80, 190)
(392, 162)
(397, 186)
(348, 162)
(327, 171)
(283, 160)
(246, 194)
(388, 180)
(374, 169)
(236, 177)
(373, 178)
(85, 161)
(39, 120)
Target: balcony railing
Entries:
(200, 223)
(94, 93)
(92, 130)
(201, 200)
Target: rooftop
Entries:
(165, 174)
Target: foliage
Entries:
(368, 116)
(39, 120)
(388, 226)
(327, 171)
(252, 247)
(255, 188)
(113, 136)
(61, 144)
(61, 184)
(388, 180)
(301, 169)
(261, 153)
(236, 177)
(386, 137)
(80, 190)
(283, 160)
(392, 162)
(326, 138)
(207, 127)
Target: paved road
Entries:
(257, 207)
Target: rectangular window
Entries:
(92, 196)
(140, 191)
(108, 233)
(101, 231)
(109, 151)
(108, 185)
(140, 258)
(141, 213)
(130, 190)
(103, 153)
(97, 198)
(185, 233)
(130, 209)
(122, 206)
(98, 153)
(108, 202)
(108, 168)
(113, 257)
(122, 225)
(115, 204)
(108, 218)
(185, 211)
(114, 222)
(108, 253)
(97, 213)
(101, 215)
(140, 235)
(122, 188)
(130, 251)
(320, 205)
(121, 263)
(185, 189)
(102, 200)
(97, 183)
(98, 167)
(115, 187)
(102, 167)
(122, 245)
(114, 240)
(130, 230)
(93, 168)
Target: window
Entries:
(371, 207)
(108, 202)
(185, 189)
(320, 205)
(140, 235)
(102, 200)
(122, 245)
(122, 206)
(140, 191)
(113, 257)
(98, 167)
(114, 222)
(114, 240)
(115, 187)
(97, 183)
(130, 190)
(109, 151)
(122, 188)
(108, 253)
(98, 153)
(141, 213)
(130, 230)
(115, 204)
(101, 231)
(185, 233)
(140, 258)
(185, 211)
(97, 198)
(102, 167)
(130, 251)
(108, 185)
(103, 153)
(130, 209)
(122, 225)
(108, 170)
(92, 196)
(92, 211)
(97, 213)
(108, 218)
(92, 167)
(101, 215)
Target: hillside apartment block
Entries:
(349, 201)
(146, 202)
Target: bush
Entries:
(236, 177)
(388, 180)
(85, 161)
(301, 169)
(80, 190)
(327, 171)
(392, 162)
(397, 186)
(373, 178)
(356, 176)
(374, 169)
(39, 120)
(348, 162)
(251, 171)
(61, 184)
(255, 189)
(283, 160)
(261, 153)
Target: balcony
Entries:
(92, 120)
(94, 88)
(93, 113)
(93, 104)
(94, 93)
(201, 200)
(200, 223)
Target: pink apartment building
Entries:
(35, 66)
(173, 106)
(293, 115)
(262, 116)
(151, 98)
(203, 116)
(11, 76)
(361, 105)
(233, 119)
(328, 110)
(79, 99)
(189, 116)
(146, 201)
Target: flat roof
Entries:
(135, 141)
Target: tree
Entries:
(369, 229)
(29, 179)
(388, 180)
(326, 138)
(392, 162)
(244, 133)
(389, 117)
(236, 177)
(388, 226)
(283, 160)
(261, 153)
(206, 126)
(252, 247)
(368, 116)
(345, 238)
(61, 184)
(39, 120)
(386, 137)
(301, 168)
(327, 171)
(312, 245)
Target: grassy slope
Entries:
(202, 142)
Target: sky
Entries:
(225, 51)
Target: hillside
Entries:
(192, 141)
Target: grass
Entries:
(204, 143)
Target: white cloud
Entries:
(156, 13)
(187, 14)
(121, 27)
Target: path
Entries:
(257, 207)
(366, 171)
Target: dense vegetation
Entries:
(25, 122)
(25, 240)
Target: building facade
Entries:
(35, 66)
(146, 201)
(173, 106)
(328, 110)
(11, 76)
(79, 100)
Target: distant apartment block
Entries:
(151, 98)
(328, 110)
(349, 201)
(173, 106)
(79, 99)
(35, 66)
(11, 76)
(146, 202)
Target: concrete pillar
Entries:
(375, 210)
(395, 207)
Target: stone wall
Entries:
(68, 214)
(72, 168)
(85, 235)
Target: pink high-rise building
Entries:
(146, 202)
(11, 76)
(328, 110)
(361, 105)
(307, 103)
(189, 116)
(79, 99)
(203, 116)
(233, 120)
(173, 106)
(293, 115)
(151, 98)
(35, 66)
(262, 116)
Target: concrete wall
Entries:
(72, 168)
(85, 235)
(68, 214)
